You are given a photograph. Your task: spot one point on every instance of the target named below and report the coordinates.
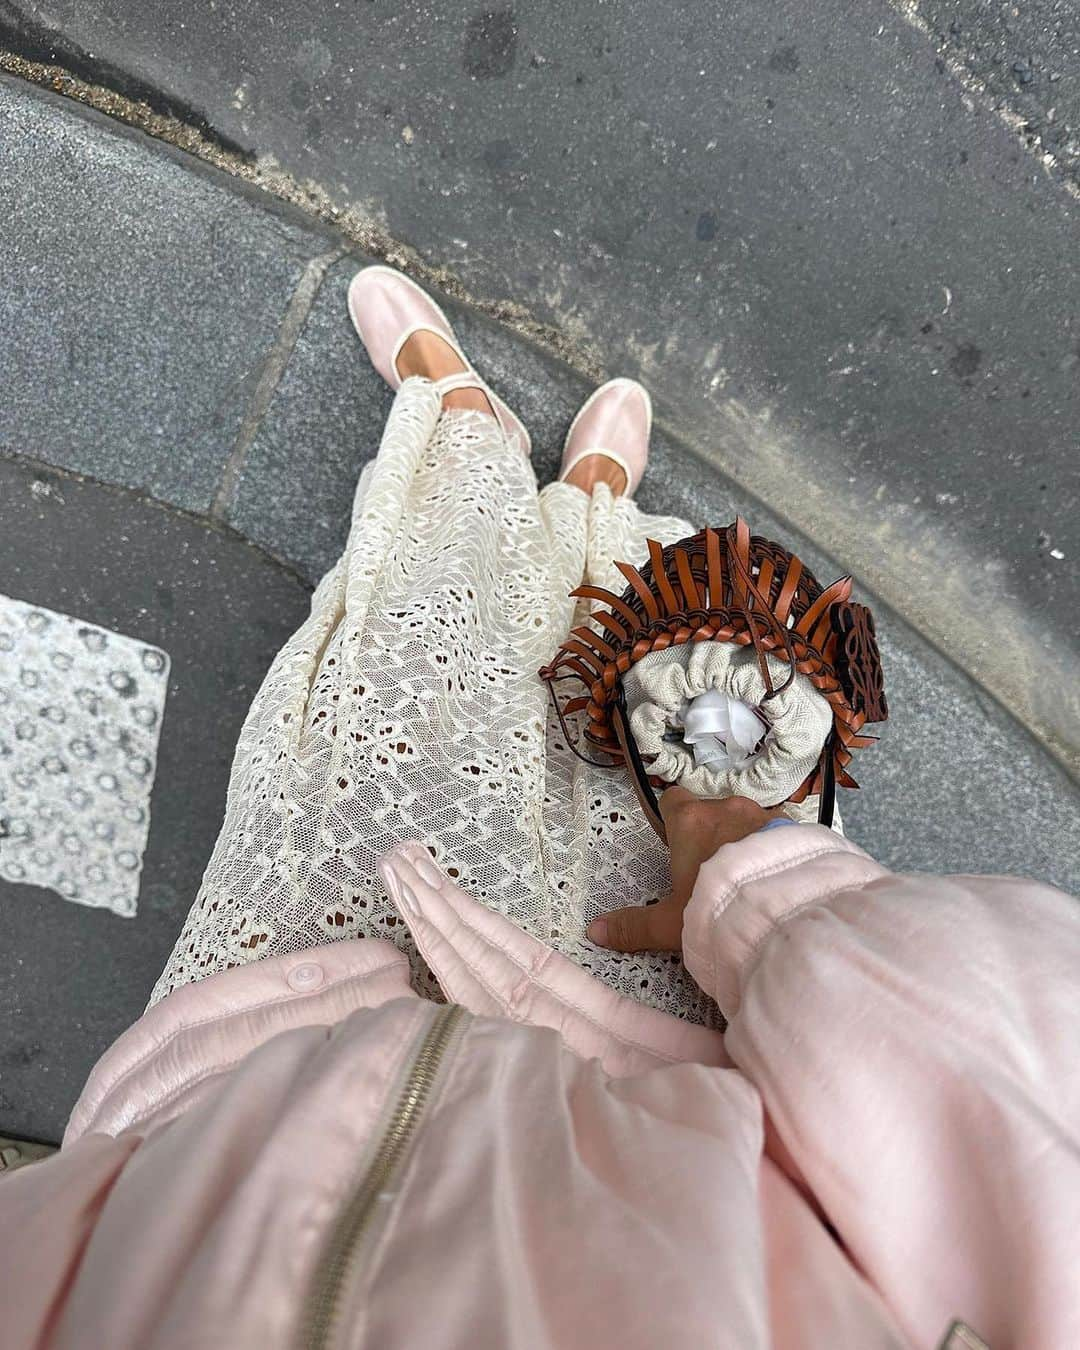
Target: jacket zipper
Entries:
(324, 1301)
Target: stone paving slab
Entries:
(72, 978)
(137, 303)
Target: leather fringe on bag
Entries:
(725, 585)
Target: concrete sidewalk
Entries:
(185, 414)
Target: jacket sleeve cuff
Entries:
(746, 890)
(202, 1028)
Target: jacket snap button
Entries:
(304, 978)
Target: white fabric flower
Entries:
(723, 732)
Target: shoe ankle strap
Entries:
(569, 465)
(460, 379)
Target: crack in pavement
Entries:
(273, 367)
(976, 87)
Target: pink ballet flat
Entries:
(618, 414)
(387, 308)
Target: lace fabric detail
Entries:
(408, 707)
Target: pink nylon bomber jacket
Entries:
(303, 1153)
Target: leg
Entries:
(407, 709)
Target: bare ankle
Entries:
(594, 469)
(427, 354)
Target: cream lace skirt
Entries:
(408, 707)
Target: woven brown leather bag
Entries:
(724, 585)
